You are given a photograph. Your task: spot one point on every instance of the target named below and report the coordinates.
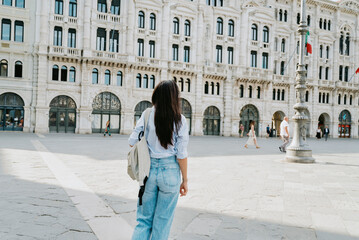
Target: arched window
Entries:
(307, 96)
(339, 97)
(298, 18)
(265, 34)
(217, 87)
(327, 52)
(212, 88)
(320, 72)
(347, 43)
(283, 45)
(152, 82)
(138, 80)
(250, 92)
(323, 98)
(273, 96)
(188, 82)
(231, 28)
(175, 25)
(345, 99)
(175, 79)
(18, 69)
(258, 92)
(95, 76)
(55, 73)
(102, 6)
(119, 78)
(321, 51)
(346, 74)
(320, 23)
(72, 75)
(325, 24)
(341, 44)
(327, 73)
(329, 23)
(241, 91)
(282, 66)
(141, 19)
(107, 77)
(320, 97)
(327, 97)
(308, 20)
(145, 81)
(206, 88)
(187, 28)
(285, 16)
(283, 94)
(152, 21)
(181, 83)
(280, 15)
(278, 94)
(63, 73)
(115, 7)
(254, 32)
(73, 8)
(219, 26)
(350, 100)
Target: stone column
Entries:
(27, 118)
(131, 23)
(197, 129)
(127, 111)
(228, 104)
(87, 30)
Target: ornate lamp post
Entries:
(299, 151)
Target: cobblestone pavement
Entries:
(65, 186)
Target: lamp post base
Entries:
(299, 155)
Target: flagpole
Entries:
(299, 151)
(351, 77)
(290, 59)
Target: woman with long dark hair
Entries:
(167, 139)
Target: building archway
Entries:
(323, 120)
(62, 116)
(140, 108)
(211, 121)
(11, 112)
(277, 119)
(106, 106)
(248, 114)
(344, 127)
(186, 110)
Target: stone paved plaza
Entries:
(59, 186)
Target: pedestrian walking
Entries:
(268, 131)
(326, 133)
(319, 133)
(284, 133)
(241, 129)
(252, 139)
(107, 129)
(167, 139)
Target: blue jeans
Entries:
(159, 200)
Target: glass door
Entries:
(2, 119)
(71, 122)
(61, 121)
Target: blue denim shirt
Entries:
(179, 140)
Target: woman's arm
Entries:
(184, 185)
(252, 130)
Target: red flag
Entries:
(357, 71)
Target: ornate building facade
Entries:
(70, 65)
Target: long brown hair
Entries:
(165, 98)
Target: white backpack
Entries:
(139, 161)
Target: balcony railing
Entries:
(65, 51)
(73, 20)
(108, 17)
(109, 55)
(182, 65)
(148, 61)
(59, 18)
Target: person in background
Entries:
(107, 130)
(252, 140)
(326, 133)
(241, 129)
(268, 130)
(319, 133)
(284, 133)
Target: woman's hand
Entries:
(183, 189)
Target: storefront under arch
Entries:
(248, 114)
(11, 112)
(211, 121)
(62, 115)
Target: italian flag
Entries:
(357, 71)
(308, 44)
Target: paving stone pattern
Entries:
(235, 193)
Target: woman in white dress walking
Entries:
(252, 140)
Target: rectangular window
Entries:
(73, 8)
(320, 72)
(140, 47)
(20, 3)
(152, 49)
(219, 54)
(253, 59)
(19, 31)
(101, 39)
(114, 41)
(187, 53)
(101, 6)
(175, 52)
(326, 73)
(346, 74)
(265, 60)
(58, 36)
(72, 38)
(341, 73)
(59, 7)
(7, 2)
(6, 29)
(230, 55)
